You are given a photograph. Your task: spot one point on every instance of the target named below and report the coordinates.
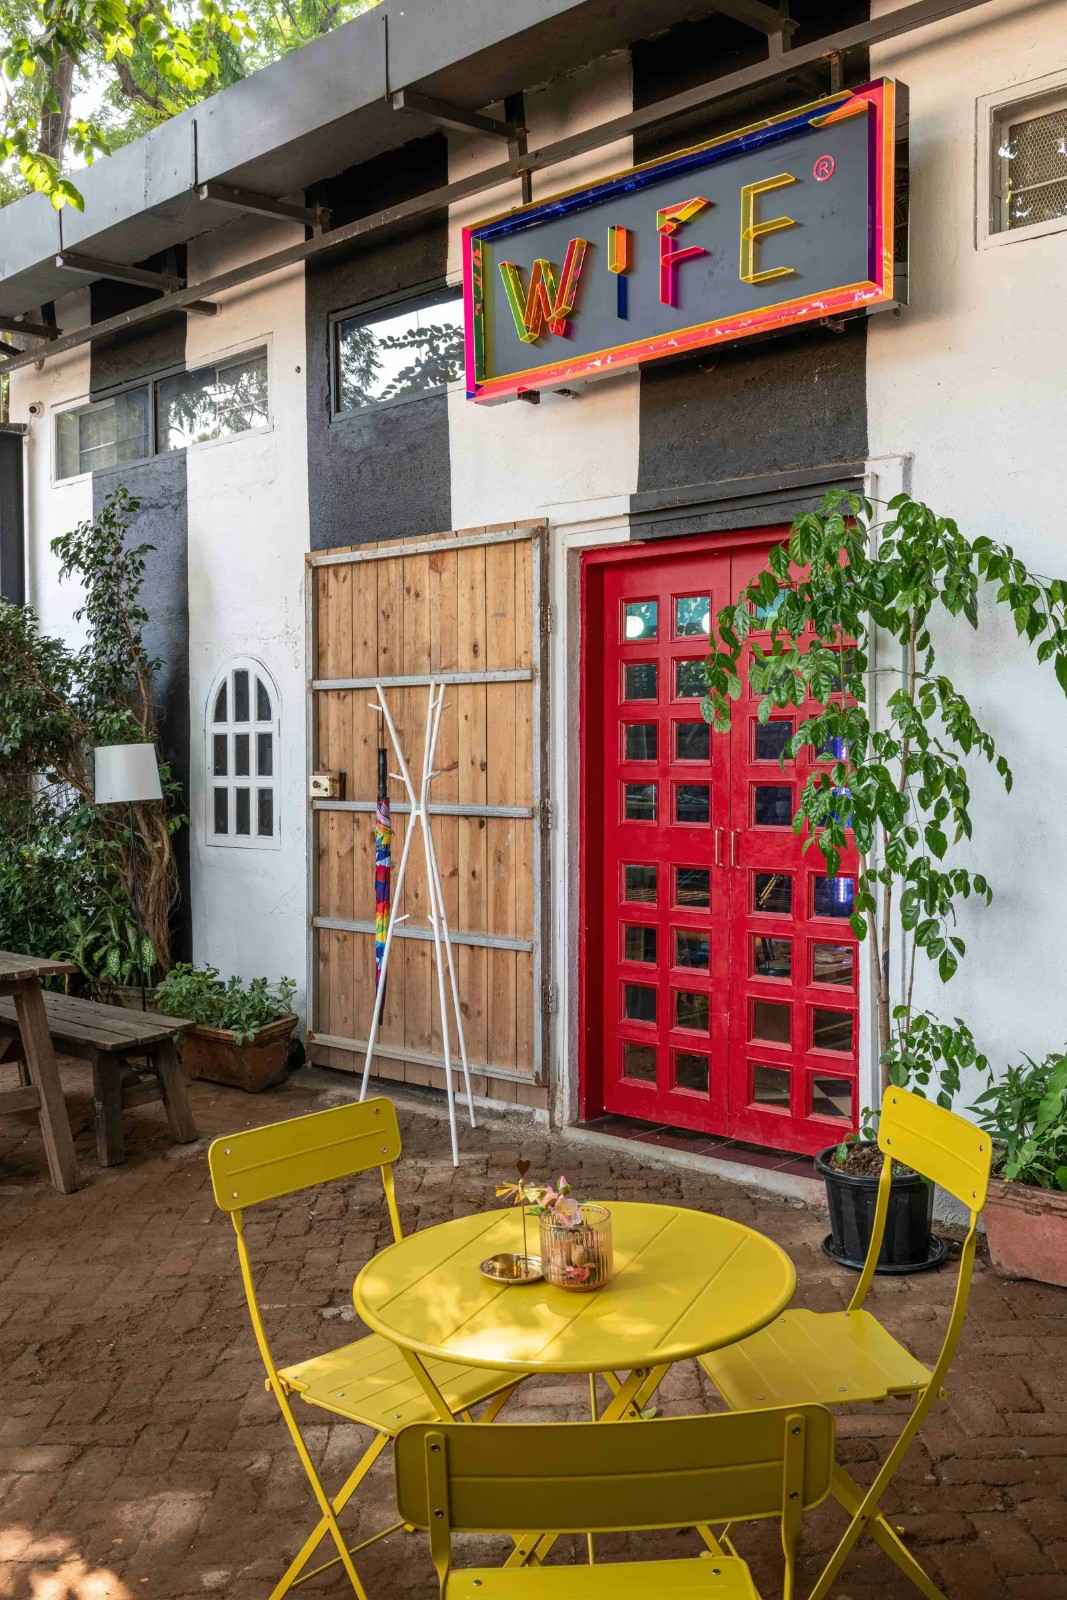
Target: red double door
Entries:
(719, 969)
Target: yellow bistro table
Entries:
(685, 1282)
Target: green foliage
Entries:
(151, 59)
(897, 785)
(200, 994)
(1026, 1112)
(65, 864)
(923, 1050)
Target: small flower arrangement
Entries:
(575, 1237)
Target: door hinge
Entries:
(548, 617)
(546, 815)
(549, 997)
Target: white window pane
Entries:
(400, 354)
(239, 395)
(262, 702)
(67, 445)
(212, 403)
(103, 434)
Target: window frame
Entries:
(993, 111)
(233, 357)
(249, 841)
(439, 290)
(85, 403)
(229, 357)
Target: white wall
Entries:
(970, 381)
(518, 460)
(52, 509)
(248, 531)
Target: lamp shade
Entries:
(126, 773)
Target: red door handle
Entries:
(718, 847)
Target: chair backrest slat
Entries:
(267, 1163)
(597, 1477)
(941, 1145)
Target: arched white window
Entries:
(243, 747)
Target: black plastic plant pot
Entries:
(908, 1246)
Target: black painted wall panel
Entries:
(762, 405)
(384, 473)
(163, 521)
(12, 530)
(145, 350)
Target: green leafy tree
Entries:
(896, 784)
(66, 865)
(133, 64)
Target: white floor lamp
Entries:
(419, 818)
(127, 774)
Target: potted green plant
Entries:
(1026, 1215)
(241, 1031)
(894, 742)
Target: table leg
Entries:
(40, 1061)
(107, 1110)
(627, 1404)
(175, 1094)
(593, 1418)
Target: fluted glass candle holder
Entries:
(577, 1258)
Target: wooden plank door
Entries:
(720, 971)
(467, 608)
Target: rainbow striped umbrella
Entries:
(383, 864)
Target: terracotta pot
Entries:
(214, 1054)
(1027, 1232)
(128, 996)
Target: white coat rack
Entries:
(419, 820)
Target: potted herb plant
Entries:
(241, 1031)
(1026, 1214)
(894, 743)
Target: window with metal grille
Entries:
(1025, 164)
(243, 736)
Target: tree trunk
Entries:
(54, 123)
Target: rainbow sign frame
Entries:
(855, 248)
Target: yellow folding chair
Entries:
(607, 1477)
(841, 1357)
(369, 1381)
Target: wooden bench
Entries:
(108, 1037)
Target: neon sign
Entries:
(795, 219)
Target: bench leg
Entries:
(44, 1074)
(107, 1110)
(175, 1092)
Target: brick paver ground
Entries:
(139, 1454)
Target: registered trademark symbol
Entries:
(825, 167)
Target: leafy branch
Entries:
(899, 789)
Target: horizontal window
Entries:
(212, 402)
(103, 434)
(164, 414)
(1022, 161)
(401, 352)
